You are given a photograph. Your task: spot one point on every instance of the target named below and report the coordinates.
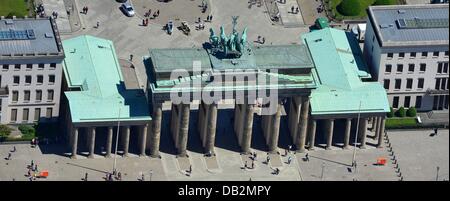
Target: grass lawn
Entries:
(18, 8)
(333, 4)
(401, 122)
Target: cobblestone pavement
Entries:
(309, 11)
(417, 1)
(419, 153)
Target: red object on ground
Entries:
(43, 173)
(381, 161)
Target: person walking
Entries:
(289, 160)
(86, 10)
(14, 149)
(435, 131)
(190, 168)
(98, 24)
(119, 176)
(35, 168)
(142, 177)
(9, 156)
(268, 159)
(86, 176)
(245, 165)
(292, 9)
(307, 157)
(210, 18)
(253, 164)
(263, 40)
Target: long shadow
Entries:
(102, 171)
(258, 141)
(321, 139)
(166, 142)
(194, 140)
(339, 132)
(285, 137)
(225, 137)
(331, 161)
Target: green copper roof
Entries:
(91, 65)
(340, 68)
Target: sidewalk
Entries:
(288, 18)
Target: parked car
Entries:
(128, 9)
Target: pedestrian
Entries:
(435, 131)
(157, 13)
(9, 156)
(254, 156)
(307, 157)
(32, 163)
(199, 20)
(86, 10)
(210, 18)
(119, 176)
(29, 173)
(146, 22)
(149, 12)
(253, 164)
(14, 149)
(263, 40)
(297, 10)
(98, 24)
(190, 168)
(245, 165)
(259, 39)
(110, 178)
(292, 9)
(285, 152)
(142, 177)
(86, 176)
(268, 159)
(289, 160)
(35, 168)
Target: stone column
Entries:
(375, 125)
(248, 127)
(126, 140)
(109, 140)
(381, 133)
(183, 130)
(275, 130)
(330, 133)
(211, 131)
(303, 125)
(74, 142)
(362, 132)
(143, 139)
(156, 130)
(294, 116)
(312, 133)
(91, 142)
(348, 128)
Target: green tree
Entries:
(350, 7)
(390, 114)
(401, 112)
(4, 131)
(411, 112)
(385, 2)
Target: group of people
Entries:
(32, 172)
(9, 153)
(204, 6)
(85, 10)
(55, 14)
(149, 13)
(261, 40)
(40, 11)
(295, 10)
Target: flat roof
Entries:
(91, 65)
(340, 68)
(403, 25)
(45, 40)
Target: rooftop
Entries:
(340, 68)
(29, 37)
(403, 25)
(102, 94)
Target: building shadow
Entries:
(167, 145)
(194, 140)
(225, 136)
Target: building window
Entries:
(16, 80)
(37, 114)
(52, 66)
(390, 55)
(395, 102)
(443, 83)
(418, 102)
(401, 55)
(15, 96)
(386, 84)
(51, 79)
(28, 79)
(424, 54)
(29, 67)
(399, 68)
(5, 67)
(412, 55)
(26, 96)
(411, 68)
(407, 101)
(13, 115)
(435, 54)
(445, 68)
(40, 79)
(388, 68)
(438, 83)
(398, 83)
(409, 83)
(50, 94)
(420, 83)
(41, 66)
(38, 95)
(439, 68)
(48, 114)
(17, 67)
(423, 67)
(25, 114)
(446, 53)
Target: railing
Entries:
(437, 92)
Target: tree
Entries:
(385, 2)
(4, 131)
(401, 112)
(350, 7)
(390, 114)
(411, 112)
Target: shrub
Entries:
(27, 130)
(411, 112)
(4, 131)
(385, 2)
(390, 114)
(350, 7)
(401, 112)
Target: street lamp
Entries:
(117, 141)
(437, 173)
